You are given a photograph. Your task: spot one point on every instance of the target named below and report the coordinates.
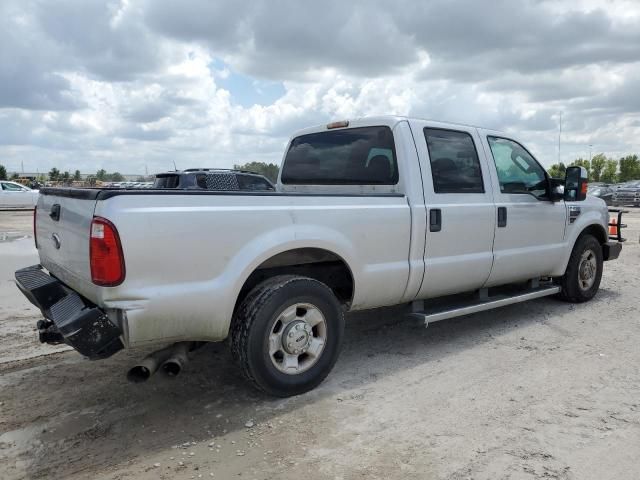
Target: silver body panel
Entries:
(188, 256)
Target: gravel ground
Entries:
(539, 390)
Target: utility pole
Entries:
(590, 146)
(559, 136)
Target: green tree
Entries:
(609, 172)
(65, 177)
(116, 177)
(101, 175)
(15, 176)
(3, 173)
(54, 174)
(597, 165)
(629, 168)
(557, 170)
(77, 176)
(269, 170)
(581, 162)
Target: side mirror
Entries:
(575, 184)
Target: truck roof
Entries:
(388, 120)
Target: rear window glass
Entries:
(166, 181)
(249, 182)
(354, 156)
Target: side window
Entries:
(455, 167)
(518, 171)
(12, 187)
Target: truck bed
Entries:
(187, 253)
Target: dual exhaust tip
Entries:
(169, 362)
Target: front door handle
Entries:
(502, 217)
(435, 220)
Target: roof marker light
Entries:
(340, 124)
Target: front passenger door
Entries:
(14, 195)
(530, 227)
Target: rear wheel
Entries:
(286, 334)
(581, 280)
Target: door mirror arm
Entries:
(556, 189)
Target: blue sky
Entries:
(246, 90)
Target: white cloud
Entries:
(126, 84)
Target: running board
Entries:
(469, 307)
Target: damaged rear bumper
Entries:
(68, 317)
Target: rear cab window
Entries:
(351, 156)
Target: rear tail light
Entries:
(585, 186)
(35, 235)
(105, 252)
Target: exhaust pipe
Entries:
(172, 367)
(149, 365)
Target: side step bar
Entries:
(442, 313)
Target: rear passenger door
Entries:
(460, 210)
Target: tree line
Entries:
(603, 169)
(600, 169)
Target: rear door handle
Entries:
(502, 217)
(435, 220)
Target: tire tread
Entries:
(246, 316)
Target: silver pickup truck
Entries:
(447, 219)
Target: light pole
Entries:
(590, 146)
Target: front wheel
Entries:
(581, 280)
(286, 334)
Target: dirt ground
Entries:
(541, 390)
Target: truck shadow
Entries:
(95, 418)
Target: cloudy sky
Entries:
(130, 84)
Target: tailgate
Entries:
(63, 222)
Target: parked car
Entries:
(601, 191)
(14, 195)
(213, 179)
(368, 213)
(627, 194)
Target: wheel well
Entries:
(597, 231)
(322, 265)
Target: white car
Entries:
(14, 195)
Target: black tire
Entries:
(572, 291)
(253, 322)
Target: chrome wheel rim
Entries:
(297, 338)
(587, 270)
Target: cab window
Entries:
(455, 167)
(12, 187)
(353, 156)
(518, 171)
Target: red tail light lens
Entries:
(105, 252)
(35, 235)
